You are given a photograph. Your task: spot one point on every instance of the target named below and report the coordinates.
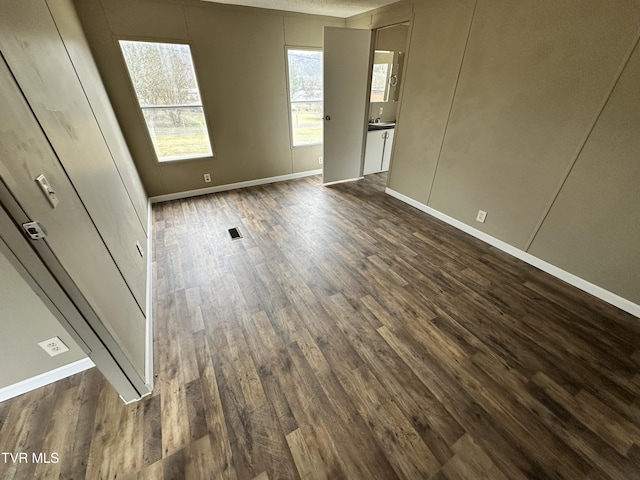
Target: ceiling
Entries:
(334, 8)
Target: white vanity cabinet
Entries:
(378, 151)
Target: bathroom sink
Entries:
(381, 125)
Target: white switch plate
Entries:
(207, 178)
(54, 346)
(482, 215)
(48, 191)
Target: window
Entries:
(305, 96)
(165, 83)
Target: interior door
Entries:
(346, 78)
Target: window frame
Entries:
(141, 109)
(290, 102)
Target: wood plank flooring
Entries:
(347, 336)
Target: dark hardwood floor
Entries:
(347, 335)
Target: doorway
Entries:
(350, 115)
(388, 58)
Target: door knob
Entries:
(327, 117)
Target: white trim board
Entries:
(45, 378)
(148, 370)
(346, 180)
(231, 186)
(570, 278)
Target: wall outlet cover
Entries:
(207, 178)
(482, 215)
(53, 346)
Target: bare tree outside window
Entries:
(165, 83)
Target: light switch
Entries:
(48, 191)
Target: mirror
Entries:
(386, 72)
(382, 76)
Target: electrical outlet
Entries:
(380, 110)
(319, 160)
(481, 216)
(207, 178)
(54, 346)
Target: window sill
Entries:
(307, 145)
(173, 161)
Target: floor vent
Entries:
(235, 233)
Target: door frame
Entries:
(374, 36)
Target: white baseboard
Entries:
(46, 378)
(595, 290)
(346, 180)
(135, 400)
(231, 186)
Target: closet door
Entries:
(77, 251)
(38, 59)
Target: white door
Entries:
(346, 76)
(73, 249)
